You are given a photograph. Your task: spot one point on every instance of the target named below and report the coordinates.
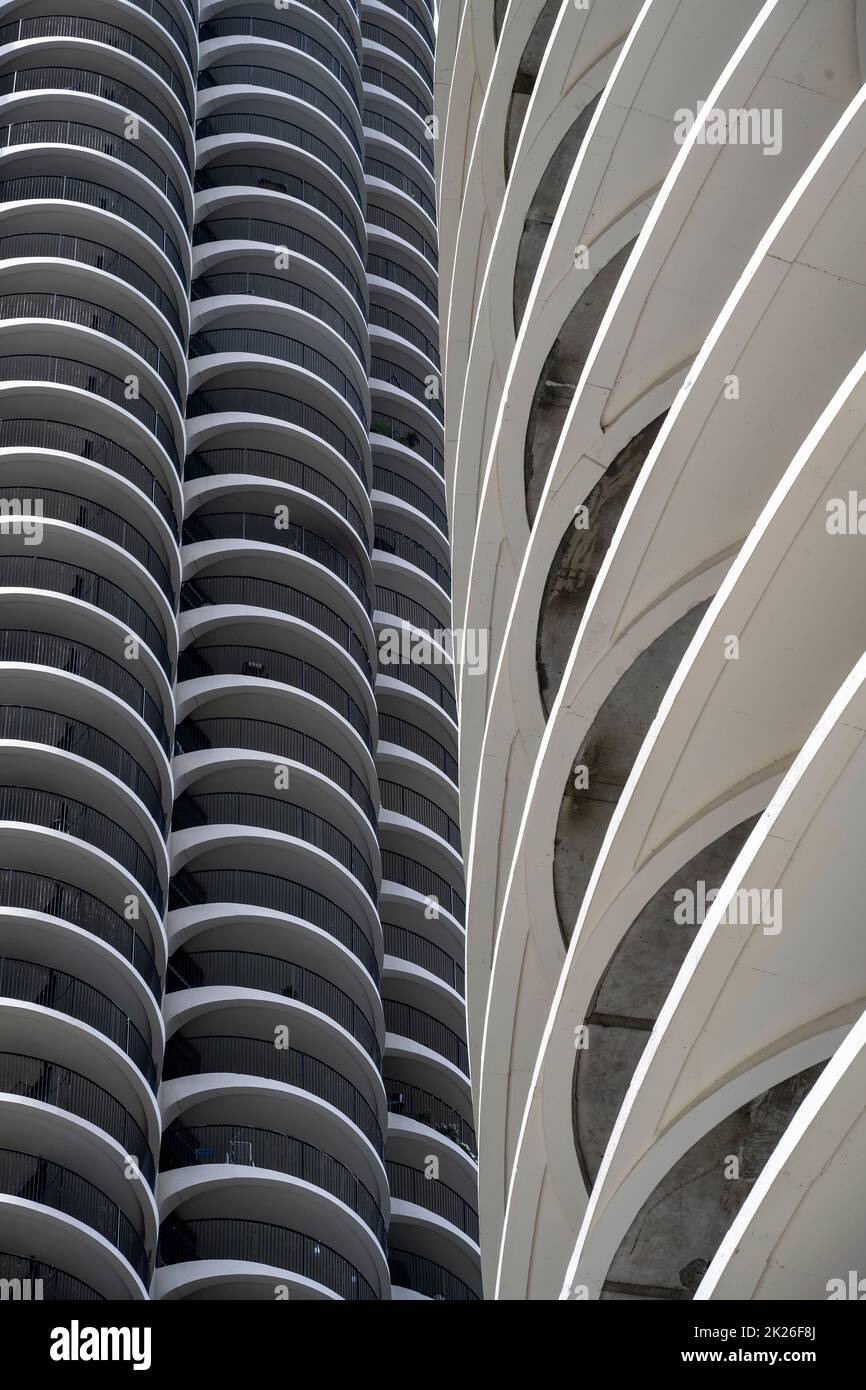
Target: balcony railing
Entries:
(426, 1109)
(45, 1283)
(271, 813)
(38, 893)
(266, 530)
(20, 645)
(409, 437)
(406, 735)
(90, 516)
(249, 591)
(41, 572)
(398, 868)
(267, 1149)
(38, 187)
(409, 1184)
(259, 1057)
(168, 22)
(390, 270)
(249, 123)
(416, 615)
(409, 946)
(55, 989)
(68, 26)
(386, 480)
(34, 1179)
(275, 234)
(251, 888)
(282, 742)
(406, 548)
(263, 343)
(230, 25)
(96, 84)
(31, 806)
(232, 1238)
(422, 680)
(208, 400)
(375, 77)
(91, 137)
(376, 34)
(254, 75)
(279, 181)
(384, 125)
(284, 291)
(58, 245)
(26, 724)
(409, 1271)
(34, 1078)
(380, 317)
(335, 19)
(408, 1022)
(388, 173)
(405, 801)
(412, 17)
(383, 369)
(261, 463)
(253, 970)
(261, 663)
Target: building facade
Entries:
(651, 298)
(233, 1056)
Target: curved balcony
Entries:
(398, 868)
(405, 548)
(31, 983)
(38, 572)
(252, 123)
(261, 342)
(50, 187)
(375, 77)
(54, 1285)
(424, 1276)
(164, 17)
(266, 1149)
(269, 974)
(30, 892)
(20, 646)
(386, 480)
(260, 663)
(67, 308)
(31, 806)
(390, 270)
(384, 125)
(388, 173)
(405, 1021)
(405, 801)
(261, 463)
(274, 79)
(263, 528)
(380, 317)
(251, 888)
(278, 181)
(332, 16)
(92, 516)
(267, 736)
(23, 724)
(34, 1078)
(249, 592)
(67, 26)
(405, 735)
(411, 16)
(209, 400)
(237, 26)
(276, 234)
(35, 1179)
(392, 428)
(376, 34)
(426, 1109)
(283, 291)
(60, 246)
(409, 946)
(96, 84)
(409, 1184)
(281, 817)
(258, 1057)
(91, 137)
(233, 1238)
(422, 680)
(381, 369)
